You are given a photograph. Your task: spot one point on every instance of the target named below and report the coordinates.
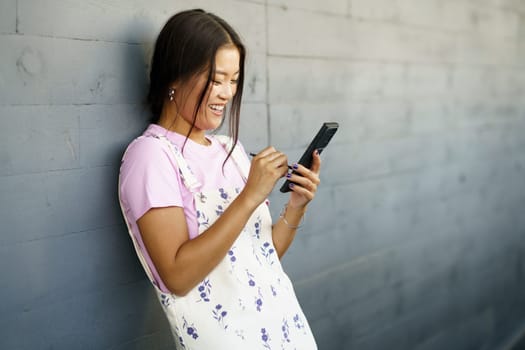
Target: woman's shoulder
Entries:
(148, 159)
(150, 143)
(149, 151)
(145, 147)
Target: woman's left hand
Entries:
(305, 183)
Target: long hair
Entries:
(186, 46)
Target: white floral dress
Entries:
(247, 301)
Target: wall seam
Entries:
(17, 20)
(267, 101)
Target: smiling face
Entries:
(220, 91)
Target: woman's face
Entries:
(220, 91)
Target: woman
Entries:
(196, 207)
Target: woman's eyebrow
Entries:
(224, 73)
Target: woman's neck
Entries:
(178, 124)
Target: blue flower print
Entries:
(224, 195)
(202, 197)
(202, 219)
(241, 304)
(190, 329)
(181, 343)
(274, 291)
(165, 300)
(257, 228)
(265, 337)
(219, 314)
(181, 174)
(180, 339)
(298, 322)
(286, 331)
(232, 256)
(240, 333)
(219, 210)
(204, 290)
(251, 281)
(267, 251)
(256, 255)
(259, 301)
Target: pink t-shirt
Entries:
(149, 178)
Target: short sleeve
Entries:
(149, 177)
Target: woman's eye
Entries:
(234, 81)
(216, 82)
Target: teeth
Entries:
(218, 108)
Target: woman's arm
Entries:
(303, 192)
(183, 263)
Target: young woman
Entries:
(196, 206)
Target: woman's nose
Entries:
(226, 92)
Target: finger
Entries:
(307, 173)
(316, 162)
(265, 152)
(269, 155)
(281, 165)
(303, 182)
(278, 160)
(276, 157)
(302, 191)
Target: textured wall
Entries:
(416, 237)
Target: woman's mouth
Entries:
(217, 109)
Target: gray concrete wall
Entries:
(416, 237)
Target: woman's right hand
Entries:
(267, 167)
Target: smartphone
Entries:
(319, 142)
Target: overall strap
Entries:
(187, 176)
(136, 244)
(189, 180)
(239, 158)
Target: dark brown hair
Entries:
(185, 47)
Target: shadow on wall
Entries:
(145, 324)
(517, 342)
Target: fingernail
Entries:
(289, 175)
(295, 166)
(291, 185)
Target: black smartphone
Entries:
(319, 143)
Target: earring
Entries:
(171, 94)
